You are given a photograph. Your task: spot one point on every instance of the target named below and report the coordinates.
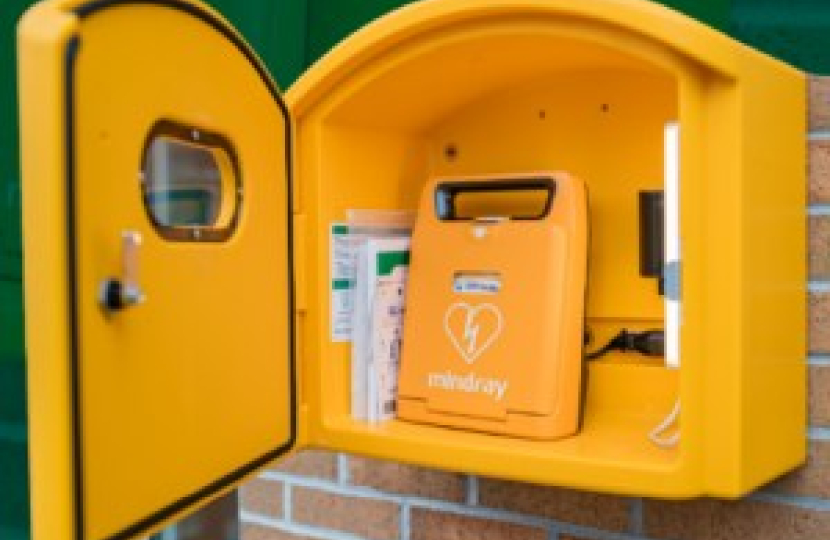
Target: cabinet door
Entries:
(159, 303)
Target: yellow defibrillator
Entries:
(493, 338)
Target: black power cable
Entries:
(647, 342)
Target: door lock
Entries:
(115, 293)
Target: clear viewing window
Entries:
(190, 183)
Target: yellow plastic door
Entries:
(159, 311)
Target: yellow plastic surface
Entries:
(466, 87)
(194, 384)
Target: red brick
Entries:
(819, 247)
(316, 463)
(812, 479)
(819, 103)
(406, 479)
(263, 497)
(818, 171)
(583, 508)
(819, 322)
(251, 531)
(435, 525)
(819, 395)
(370, 518)
(706, 519)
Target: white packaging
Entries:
(345, 241)
(380, 264)
(387, 333)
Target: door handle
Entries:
(119, 293)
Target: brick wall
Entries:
(337, 497)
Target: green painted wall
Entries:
(797, 31)
(11, 334)
(289, 35)
(13, 463)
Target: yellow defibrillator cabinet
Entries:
(178, 261)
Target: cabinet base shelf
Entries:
(611, 453)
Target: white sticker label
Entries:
(342, 258)
(476, 283)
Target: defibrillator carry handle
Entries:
(447, 197)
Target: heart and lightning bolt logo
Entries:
(481, 325)
(471, 329)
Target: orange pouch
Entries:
(493, 336)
